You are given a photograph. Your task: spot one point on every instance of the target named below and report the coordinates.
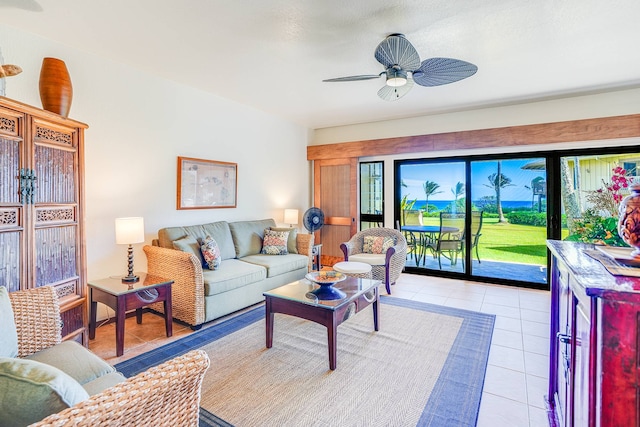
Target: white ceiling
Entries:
(274, 54)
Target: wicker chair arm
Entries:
(165, 395)
(347, 248)
(396, 259)
(37, 317)
(187, 291)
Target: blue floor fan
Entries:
(313, 219)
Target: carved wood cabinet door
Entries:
(41, 235)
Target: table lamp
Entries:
(291, 217)
(129, 231)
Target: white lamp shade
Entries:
(129, 230)
(291, 216)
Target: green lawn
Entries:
(509, 242)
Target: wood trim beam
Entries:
(546, 133)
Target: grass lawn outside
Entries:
(525, 244)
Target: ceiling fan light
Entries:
(396, 78)
(396, 81)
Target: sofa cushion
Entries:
(292, 243)
(372, 259)
(102, 383)
(211, 253)
(31, 391)
(232, 274)
(190, 245)
(78, 362)
(247, 235)
(8, 333)
(277, 265)
(274, 242)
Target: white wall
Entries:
(138, 125)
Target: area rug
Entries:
(425, 367)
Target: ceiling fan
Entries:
(403, 67)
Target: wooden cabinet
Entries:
(41, 208)
(594, 376)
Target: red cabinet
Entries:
(594, 361)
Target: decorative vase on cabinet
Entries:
(56, 91)
(629, 222)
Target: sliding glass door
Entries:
(432, 214)
(479, 218)
(510, 243)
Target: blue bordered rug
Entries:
(461, 378)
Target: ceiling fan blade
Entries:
(396, 50)
(442, 71)
(389, 93)
(354, 78)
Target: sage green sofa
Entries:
(199, 294)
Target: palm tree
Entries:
(430, 188)
(457, 191)
(498, 181)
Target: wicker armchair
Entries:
(168, 394)
(389, 267)
(165, 395)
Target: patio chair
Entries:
(414, 243)
(476, 227)
(450, 240)
(386, 266)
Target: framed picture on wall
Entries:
(206, 184)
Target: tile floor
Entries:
(516, 378)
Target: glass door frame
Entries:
(368, 217)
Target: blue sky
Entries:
(447, 174)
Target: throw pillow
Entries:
(211, 253)
(292, 243)
(31, 391)
(376, 244)
(190, 245)
(8, 333)
(275, 242)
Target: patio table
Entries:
(425, 233)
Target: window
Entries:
(371, 194)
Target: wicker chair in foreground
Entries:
(386, 266)
(57, 372)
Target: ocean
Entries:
(506, 204)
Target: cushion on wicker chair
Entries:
(74, 359)
(8, 333)
(377, 244)
(31, 391)
(371, 259)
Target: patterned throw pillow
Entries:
(211, 253)
(275, 242)
(376, 244)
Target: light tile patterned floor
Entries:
(516, 378)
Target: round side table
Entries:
(354, 269)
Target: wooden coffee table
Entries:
(296, 300)
(122, 297)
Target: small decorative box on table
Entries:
(123, 297)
